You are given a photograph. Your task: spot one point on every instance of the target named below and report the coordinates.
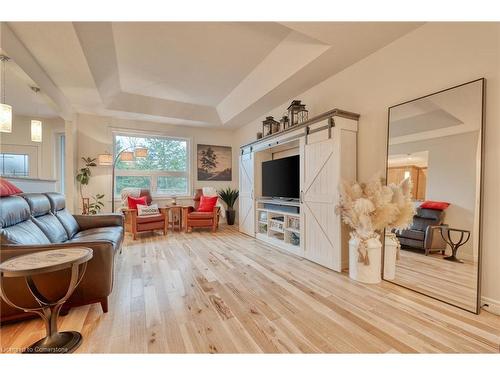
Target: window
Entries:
(165, 170)
(14, 165)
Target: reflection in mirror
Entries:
(435, 141)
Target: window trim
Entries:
(152, 173)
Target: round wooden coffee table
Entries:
(42, 262)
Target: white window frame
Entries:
(153, 174)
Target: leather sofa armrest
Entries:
(433, 238)
(98, 221)
(99, 270)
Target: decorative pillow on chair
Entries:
(7, 188)
(133, 202)
(143, 210)
(207, 204)
(441, 206)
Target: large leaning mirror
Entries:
(436, 142)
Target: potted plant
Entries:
(368, 209)
(83, 178)
(229, 196)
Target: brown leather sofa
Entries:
(38, 222)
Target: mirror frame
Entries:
(481, 192)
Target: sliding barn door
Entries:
(319, 192)
(246, 198)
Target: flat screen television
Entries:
(280, 178)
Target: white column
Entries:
(70, 155)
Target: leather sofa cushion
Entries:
(57, 201)
(40, 212)
(13, 210)
(412, 234)
(112, 234)
(421, 224)
(68, 221)
(51, 227)
(39, 204)
(201, 215)
(428, 213)
(58, 208)
(149, 219)
(24, 233)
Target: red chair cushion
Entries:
(7, 188)
(207, 204)
(133, 202)
(432, 205)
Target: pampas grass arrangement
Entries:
(370, 208)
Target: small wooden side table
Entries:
(455, 245)
(176, 212)
(42, 262)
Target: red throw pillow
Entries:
(133, 202)
(441, 206)
(7, 188)
(207, 204)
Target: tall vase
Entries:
(365, 267)
(390, 255)
(230, 216)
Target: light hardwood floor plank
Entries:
(225, 292)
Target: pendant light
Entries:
(36, 125)
(5, 109)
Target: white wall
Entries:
(431, 58)
(94, 136)
(42, 154)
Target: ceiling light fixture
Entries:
(36, 125)
(5, 109)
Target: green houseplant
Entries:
(229, 196)
(83, 179)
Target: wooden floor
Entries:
(448, 281)
(226, 292)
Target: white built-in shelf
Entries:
(276, 230)
(278, 212)
(294, 203)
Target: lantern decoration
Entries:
(127, 156)
(5, 109)
(297, 113)
(284, 122)
(270, 126)
(303, 114)
(36, 131)
(105, 159)
(141, 152)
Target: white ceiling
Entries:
(195, 73)
(19, 94)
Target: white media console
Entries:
(309, 227)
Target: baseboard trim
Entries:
(493, 305)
